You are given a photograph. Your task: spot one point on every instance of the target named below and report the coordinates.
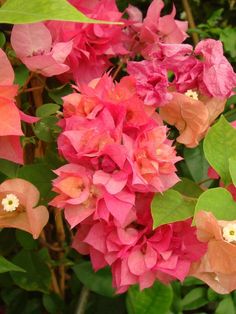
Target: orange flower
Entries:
(191, 116)
(217, 267)
(18, 199)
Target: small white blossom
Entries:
(229, 232)
(10, 203)
(192, 94)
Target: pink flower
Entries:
(10, 127)
(152, 159)
(192, 117)
(218, 77)
(18, 200)
(155, 29)
(217, 267)
(93, 44)
(33, 45)
(211, 74)
(151, 82)
(138, 254)
(77, 194)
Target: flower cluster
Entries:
(119, 155)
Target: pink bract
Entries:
(27, 216)
(34, 47)
(93, 44)
(151, 82)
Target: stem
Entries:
(54, 283)
(61, 239)
(190, 19)
(83, 300)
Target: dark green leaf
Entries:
(26, 240)
(196, 162)
(37, 276)
(2, 39)
(41, 176)
(9, 168)
(99, 282)
(195, 298)
(156, 299)
(46, 129)
(188, 188)
(21, 75)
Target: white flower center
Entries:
(229, 233)
(192, 94)
(10, 203)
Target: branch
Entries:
(190, 19)
(83, 300)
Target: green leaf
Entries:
(227, 36)
(21, 12)
(195, 298)
(47, 129)
(156, 299)
(218, 201)
(47, 110)
(99, 282)
(171, 206)
(9, 168)
(219, 146)
(196, 162)
(37, 276)
(2, 39)
(232, 169)
(6, 266)
(57, 94)
(21, 75)
(226, 306)
(41, 176)
(26, 240)
(52, 303)
(188, 188)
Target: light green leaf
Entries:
(156, 299)
(6, 266)
(195, 298)
(26, 11)
(47, 110)
(171, 206)
(228, 37)
(218, 201)
(46, 129)
(99, 282)
(226, 306)
(219, 146)
(232, 169)
(37, 276)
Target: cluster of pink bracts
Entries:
(116, 143)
